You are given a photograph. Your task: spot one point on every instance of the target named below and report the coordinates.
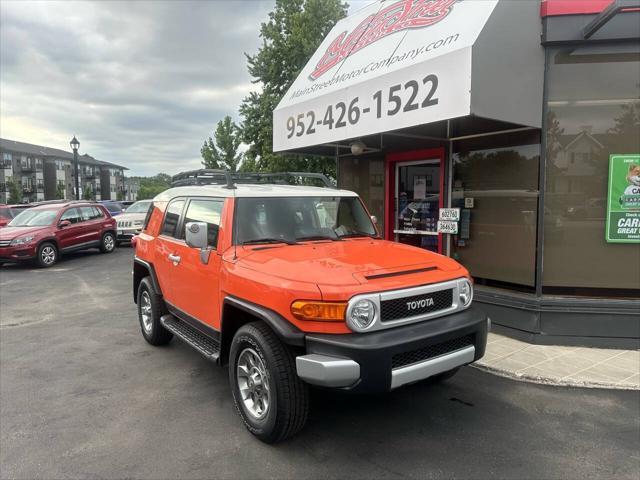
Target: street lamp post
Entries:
(75, 144)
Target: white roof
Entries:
(251, 190)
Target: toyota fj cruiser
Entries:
(291, 286)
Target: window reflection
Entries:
(593, 112)
(496, 190)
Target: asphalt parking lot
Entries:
(83, 396)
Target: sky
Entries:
(140, 84)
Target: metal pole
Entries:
(75, 161)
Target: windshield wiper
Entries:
(318, 237)
(359, 234)
(268, 240)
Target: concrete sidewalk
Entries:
(554, 365)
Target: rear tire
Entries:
(270, 397)
(107, 242)
(150, 308)
(47, 255)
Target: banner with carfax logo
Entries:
(623, 204)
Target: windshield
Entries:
(292, 219)
(139, 207)
(34, 218)
(113, 207)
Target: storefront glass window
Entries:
(593, 111)
(495, 184)
(365, 176)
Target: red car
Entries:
(45, 232)
(7, 212)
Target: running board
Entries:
(194, 337)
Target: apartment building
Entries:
(36, 173)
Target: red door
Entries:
(75, 234)
(415, 186)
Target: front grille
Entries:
(406, 307)
(124, 224)
(432, 351)
(5, 243)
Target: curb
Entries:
(558, 382)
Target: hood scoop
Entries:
(402, 272)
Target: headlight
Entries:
(465, 289)
(22, 240)
(137, 223)
(361, 315)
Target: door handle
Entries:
(174, 258)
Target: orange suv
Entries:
(291, 286)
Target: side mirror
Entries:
(196, 234)
(64, 223)
(196, 237)
(374, 219)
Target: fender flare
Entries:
(287, 332)
(152, 273)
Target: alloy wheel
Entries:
(48, 255)
(108, 242)
(146, 312)
(253, 383)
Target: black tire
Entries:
(153, 331)
(288, 406)
(47, 255)
(108, 242)
(441, 377)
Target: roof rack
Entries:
(203, 176)
(223, 177)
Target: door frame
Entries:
(391, 159)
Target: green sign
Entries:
(623, 204)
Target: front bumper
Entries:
(126, 234)
(17, 253)
(387, 359)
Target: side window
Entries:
(87, 213)
(148, 217)
(171, 218)
(97, 213)
(209, 212)
(72, 215)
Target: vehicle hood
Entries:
(350, 262)
(9, 233)
(130, 217)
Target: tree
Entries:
(88, 195)
(223, 153)
(15, 191)
(152, 186)
(60, 191)
(294, 31)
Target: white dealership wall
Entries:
(486, 55)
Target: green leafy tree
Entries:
(60, 191)
(152, 186)
(294, 31)
(88, 194)
(15, 191)
(223, 152)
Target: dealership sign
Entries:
(623, 203)
(391, 65)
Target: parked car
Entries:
(115, 208)
(130, 222)
(45, 232)
(7, 212)
(127, 203)
(254, 277)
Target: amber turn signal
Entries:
(318, 311)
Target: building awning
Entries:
(401, 63)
